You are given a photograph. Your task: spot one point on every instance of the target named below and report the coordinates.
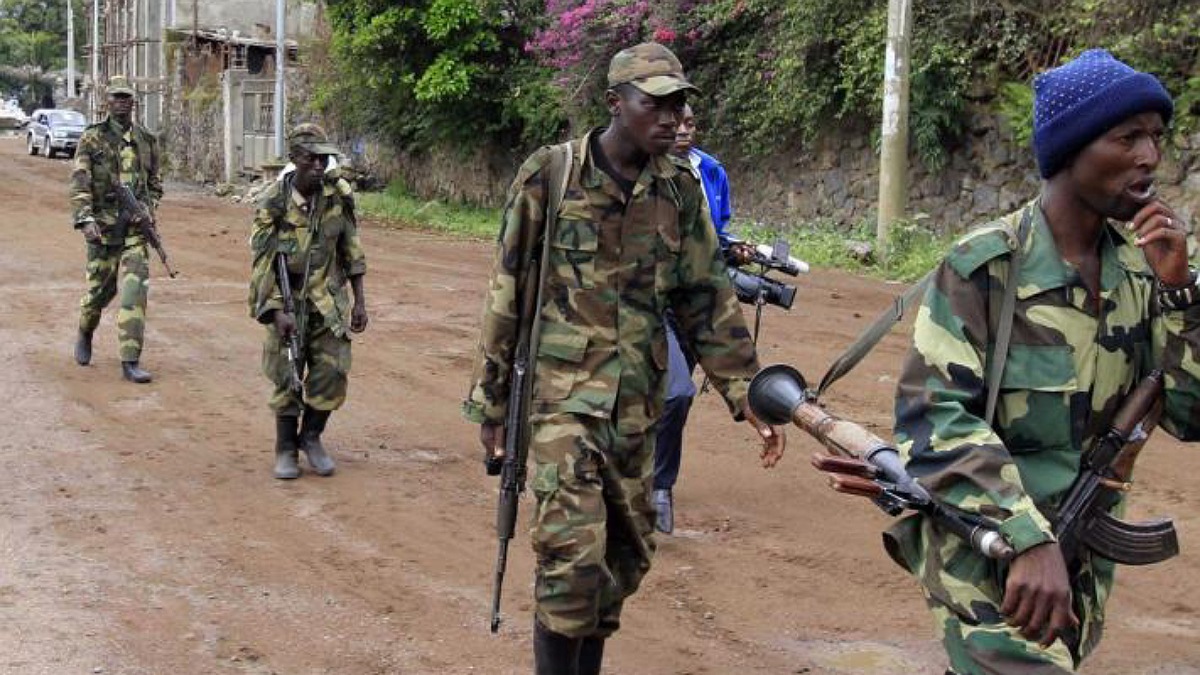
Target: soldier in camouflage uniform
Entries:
(113, 151)
(1104, 294)
(633, 238)
(308, 214)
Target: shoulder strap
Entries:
(867, 340)
(558, 175)
(871, 336)
(1007, 308)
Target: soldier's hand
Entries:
(1162, 236)
(285, 324)
(91, 232)
(491, 436)
(358, 318)
(1037, 595)
(773, 438)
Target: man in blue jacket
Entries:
(680, 389)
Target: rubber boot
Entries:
(591, 653)
(83, 348)
(133, 373)
(311, 428)
(553, 653)
(287, 443)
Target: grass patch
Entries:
(398, 207)
(914, 248)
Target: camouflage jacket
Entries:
(325, 243)
(97, 171)
(1068, 369)
(614, 268)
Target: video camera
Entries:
(756, 288)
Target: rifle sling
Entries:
(871, 336)
(1007, 309)
(558, 175)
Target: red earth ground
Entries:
(142, 532)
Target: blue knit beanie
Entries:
(1081, 99)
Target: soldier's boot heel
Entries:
(591, 653)
(134, 373)
(554, 653)
(287, 444)
(311, 428)
(83, 348)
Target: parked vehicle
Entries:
(11, 115)
(52, 131)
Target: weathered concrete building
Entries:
(169, 48)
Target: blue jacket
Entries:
(716, 190)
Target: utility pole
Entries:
(70, 51)
(280, 60)
(95, 60)
(893, 155)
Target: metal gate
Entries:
(258, 125)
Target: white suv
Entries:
(52, 131)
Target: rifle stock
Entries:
(136, 213)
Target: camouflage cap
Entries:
(312, 138)
(118, 85)
(650, 67)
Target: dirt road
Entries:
(143, 533)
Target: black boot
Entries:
(311, 428)
(133, 373)
(83, 347)
(287, 442)
(554, 654)
(591, 653)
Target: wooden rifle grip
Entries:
(853, 485)
(848, 466)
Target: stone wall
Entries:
(835, 179)
(988, 174)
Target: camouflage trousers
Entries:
(592, 531)
(103, 263)
(324, 367)
(964, 592)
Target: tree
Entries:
(33, 45)
(439, 71)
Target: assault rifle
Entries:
(289, 306)
(134, 212)
(864, 465)
(1106, 471)
(511, 468)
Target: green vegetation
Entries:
(33, 44)
(397, 207)
(820, 243)
(514, 74)
(914, 250)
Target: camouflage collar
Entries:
(591, 177)
(1043, 269)
(117, 130)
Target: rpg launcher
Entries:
(862, 464)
